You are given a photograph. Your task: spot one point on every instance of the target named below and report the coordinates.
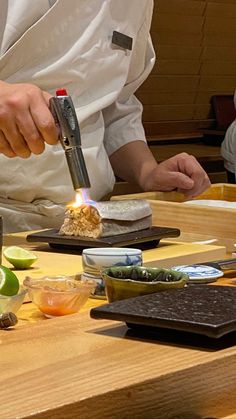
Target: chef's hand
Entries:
(135, 163)
(26, 123)
(181, 172)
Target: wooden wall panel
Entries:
(196, 59)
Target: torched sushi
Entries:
(108, 218)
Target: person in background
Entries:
(45, 45)
(228, 149)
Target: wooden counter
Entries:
(77, 367)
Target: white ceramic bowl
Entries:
(95, 260)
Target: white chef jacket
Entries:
(228, 146)
(68, 43)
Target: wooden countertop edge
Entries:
(168, 385)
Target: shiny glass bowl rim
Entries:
(22, 291)
(80, 285)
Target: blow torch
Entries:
(64, 114)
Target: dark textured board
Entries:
(153, 234)
(203, 309)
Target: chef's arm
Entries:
(135, 163)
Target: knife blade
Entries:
(223, 265)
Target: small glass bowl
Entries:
(58, 295)
(12, 303)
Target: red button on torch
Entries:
(61, 92)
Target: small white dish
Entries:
(96, 259)
(199, 273)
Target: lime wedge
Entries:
(19, 257)
(9, 283)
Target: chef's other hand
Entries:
(26, 122)
(182, 173)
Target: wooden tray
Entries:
(150, 236)
(201, 309)
(169, 208)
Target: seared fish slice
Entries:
(108, 218)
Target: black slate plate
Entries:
(203, 309)
(153, 234)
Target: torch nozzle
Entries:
(77, 168)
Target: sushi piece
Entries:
(108, 218)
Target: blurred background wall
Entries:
(195, 43)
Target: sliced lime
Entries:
(19, 257)
(9, 283)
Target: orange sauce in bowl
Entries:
(56, 311)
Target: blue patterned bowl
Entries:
(95, 260)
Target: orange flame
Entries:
(78, 200)
(81, 198)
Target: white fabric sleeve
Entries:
(228, 146)
(123, 118)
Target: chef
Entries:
(100, 51)
(228, 149)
